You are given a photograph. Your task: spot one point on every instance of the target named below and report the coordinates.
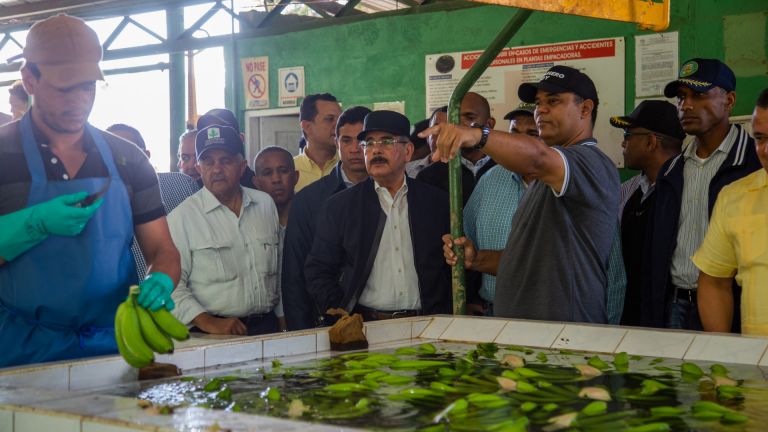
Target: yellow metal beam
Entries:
(648, 14)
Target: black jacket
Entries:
(436, 174)
(740, 162)
(300, 310)
(342, 254)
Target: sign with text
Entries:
(291, 85)
(601, 59)
(255, 82)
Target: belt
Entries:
(688, 295)
(375, 315)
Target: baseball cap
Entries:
(65, 49)
(218, 116)
(218, 137)
(654, 115)
(702, 75)
(386, 121)
(560, 79)
(524, 108)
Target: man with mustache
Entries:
(378, 252)
(687, 187)
(554, 265)
(228, 237)
(65, 260)
(300, 310)
(318, 114)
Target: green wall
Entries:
(382, 59)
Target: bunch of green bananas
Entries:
(139, 332)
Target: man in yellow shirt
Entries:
(318, 114)
(736, 244)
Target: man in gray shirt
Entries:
(554, 264)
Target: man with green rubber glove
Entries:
(71, 199)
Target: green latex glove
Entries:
(27, 227)
(156, 292)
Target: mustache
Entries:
(378, 159)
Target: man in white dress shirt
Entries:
(228, 237)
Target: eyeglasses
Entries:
(628, 134)
(385, 143)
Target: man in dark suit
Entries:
(474, 111)
(379, 250)
(300, 311)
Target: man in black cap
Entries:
(652, 135)
(378, 253)
(554, 264)
(225, 117)
(687, 187)
(228, 238)
(521, 120)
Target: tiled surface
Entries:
(235, 353)
(589, 338)
(528, 333)
(292, 345)
(56, 378)
(473, 330)
(729, 349)
(99, 426)
(383, 331)
(99, 374)
(187, 359)
(436, 328)
(656, 343)
(89, 405)
(6, 420)
(323, 341)
(203, 419)
(34, 422)
(418, 326)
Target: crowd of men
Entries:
(359, 220)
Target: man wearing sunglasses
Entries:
(379, 252)
(652, 135)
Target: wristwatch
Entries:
(483, 137)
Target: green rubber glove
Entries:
(27, 227)
(59, 216)
(156, 292)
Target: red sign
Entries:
(547, 53)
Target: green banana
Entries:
(169, 324)
(155, 338)
(128, 333)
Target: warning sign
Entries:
(256, 82)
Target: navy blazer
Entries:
(300, 310)
(340, 262)
(741, 161)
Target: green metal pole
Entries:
(454, 165)
(176, 79)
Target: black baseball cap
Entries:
(654, 115)
(702, 75)
(560, 79)
(418, 141)
(524, 108)
(386, 121)
(218, 116)
(218, 137)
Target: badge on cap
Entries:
(689, 69)
(214, 133)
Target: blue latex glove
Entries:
(156, 292)
(59, 216)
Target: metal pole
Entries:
(454, 165)
(176, 78)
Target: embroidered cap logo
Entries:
(689, 69)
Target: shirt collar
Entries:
(403, 188)
(42, 140)
(210, 202)
(725, 146)
(761, 180)
(347, 182)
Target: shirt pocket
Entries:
(264, 254)
(753, 244)
(213, 262)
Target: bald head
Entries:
(475, 109)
